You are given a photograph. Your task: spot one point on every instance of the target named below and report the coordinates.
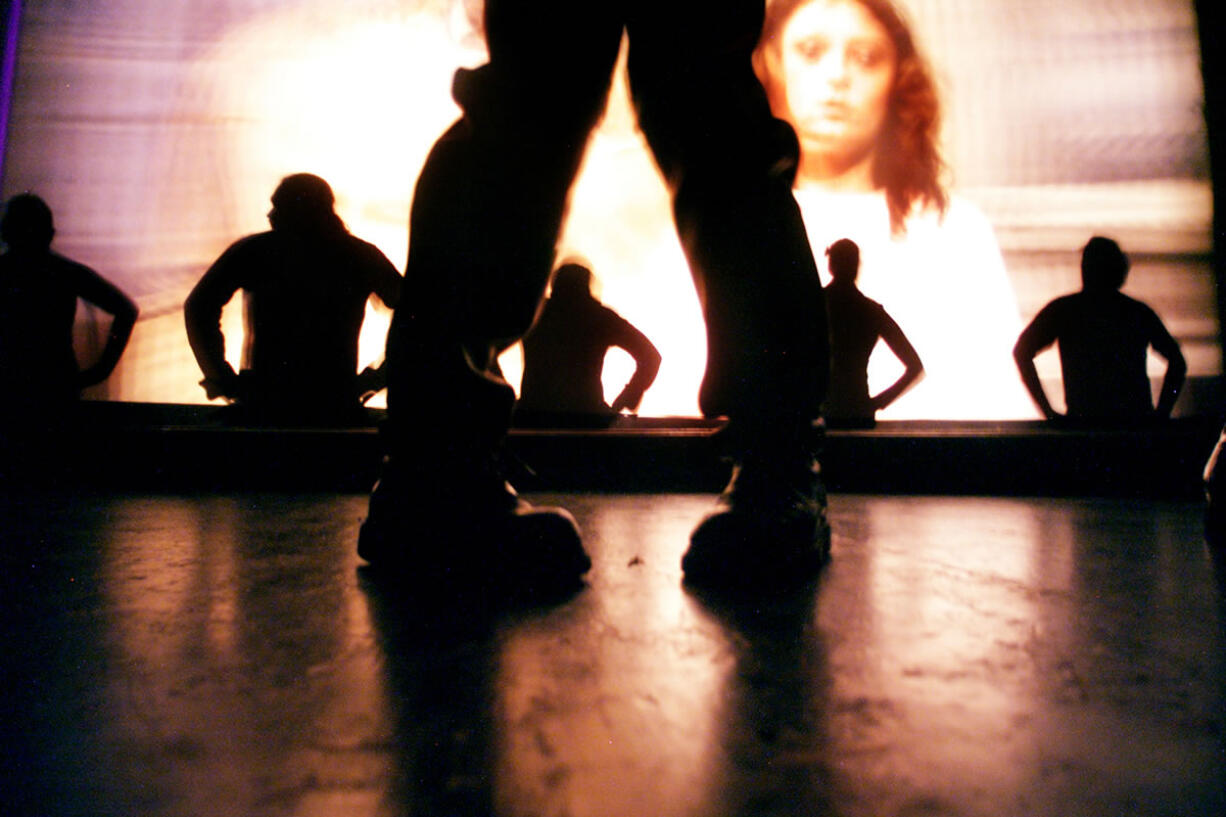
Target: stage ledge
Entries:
(162, 447)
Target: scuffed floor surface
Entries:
(224, 655)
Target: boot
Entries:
(770, 528)
(452, 528)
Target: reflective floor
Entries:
(223, 655)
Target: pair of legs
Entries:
(492, 197)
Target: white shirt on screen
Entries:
(944, 282)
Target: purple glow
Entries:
(12, 26)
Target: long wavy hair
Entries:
(907, 164)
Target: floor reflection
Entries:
(930, 628)
(614, 705)
(438, 675)
(969, 656)
(227, 667)
(1126, 672)
(774, 720)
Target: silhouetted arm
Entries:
(202, 316)
(387, 282)
(913, 370)
(647, 365)
(1176, 368)
(1035, 338)
(96, 290)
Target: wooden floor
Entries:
(223, 654)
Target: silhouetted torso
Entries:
(856, 323)
(303, 308)
(564, 357)
(38, 304)
(40, 376)
(1103, 338)
(304, 300)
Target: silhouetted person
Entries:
(564, 357)
(856, 324)
(305, 286)
(39, 373)
(486, 215)
(1103, 337)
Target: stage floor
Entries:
(222, 654)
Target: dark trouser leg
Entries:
(730, 167)
(487, 210)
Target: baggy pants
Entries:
(492, 197)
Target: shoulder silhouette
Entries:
(1103, 338)
(857, 323)
(564, 356)
(305, 286)
(39, 289)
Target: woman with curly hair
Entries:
(849, 77)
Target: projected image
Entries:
(970, 150)
(849, 78)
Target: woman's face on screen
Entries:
(833, 76)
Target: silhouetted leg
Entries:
(486, 215)
(730, 167)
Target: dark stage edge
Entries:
(143, 446)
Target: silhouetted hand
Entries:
(370, 382)
(1058, 420)
(228, 386)
(880, 401)
(628, 400)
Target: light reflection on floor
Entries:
(962, 656)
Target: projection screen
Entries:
(157, 130)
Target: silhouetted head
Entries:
(844, 256)
(849, 78)
(304, 203)
(1103, 265)
(571, 282)
(27, 223)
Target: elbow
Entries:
(1176, 364)
(193, 310)
(391, 299)
(1023, 358)
(124, 324)
(191, 304)
(127, 315)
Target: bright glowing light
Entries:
(361, 104)
(1091, 125)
